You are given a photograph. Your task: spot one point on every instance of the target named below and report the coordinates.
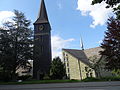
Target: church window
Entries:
(68, 70)
(64, 57)
(87, 75)
(66, 60)
(91, 75)
(86, 69)
(68, 76)
(67, 64)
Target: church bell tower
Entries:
(42, 44)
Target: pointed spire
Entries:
(42, 16)
(81, 43)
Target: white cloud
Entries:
(58, 43)
(5, 16)
(98, 12)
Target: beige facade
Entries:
(75, 68)
(79, 66)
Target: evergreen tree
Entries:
(111, 44)
(57, 70)
(16, 44)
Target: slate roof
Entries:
(83, 55)
(79, 54)
(93, 52)
(42, 16)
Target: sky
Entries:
(70, 20)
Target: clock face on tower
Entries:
(41, 27)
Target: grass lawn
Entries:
(62, 81)
(39, 82)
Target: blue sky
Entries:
(69, 19)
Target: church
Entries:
(42, 44)
(77, 62)
(79, 66)
(84, 63)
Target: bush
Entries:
(90, 79)
(110, 78)
(46, 77)
(57, 70)
(6, 76)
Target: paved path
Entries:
(66, 86)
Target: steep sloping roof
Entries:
(79, 54)
(93, 52)
(83, 55)
(42, 16)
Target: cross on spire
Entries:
(81, 43)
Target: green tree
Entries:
(111, 3)
(16, 44)
(111, 45)
(94, 60)
(57, 70)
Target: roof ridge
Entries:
(92, 48)
(72, 49)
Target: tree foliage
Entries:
(110, 3)
(111, 44)
(94, 60)
(16, 44)
(57, 70)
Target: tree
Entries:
(111, 3)
(16, 44)
(57, 70)
(111, 44)
(94, 60)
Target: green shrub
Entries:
(90, 79)
(116, 72)
(46, 77)
(6, 76)
(111, 78)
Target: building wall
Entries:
(72, 68)
(86, 71)
(75, 69)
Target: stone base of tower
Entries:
(39, 73)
